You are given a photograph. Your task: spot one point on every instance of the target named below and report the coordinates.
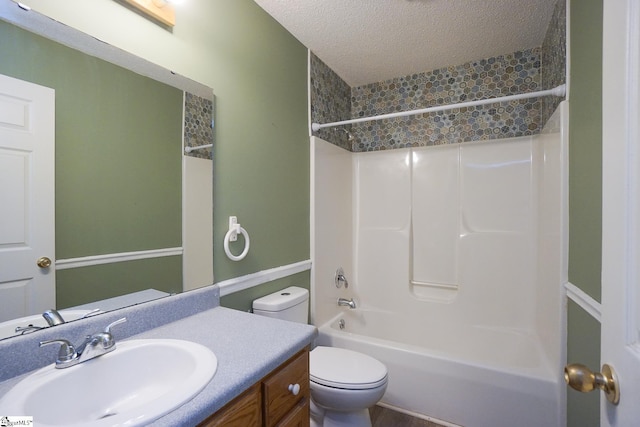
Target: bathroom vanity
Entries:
(258, 358)
(282, 399)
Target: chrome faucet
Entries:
(52, 317)
(22, 330)
(343, 302)
(93, 346)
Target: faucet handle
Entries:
(92, 312)
(107, 330)
(105, 338)
(340, 279)
(66, 353)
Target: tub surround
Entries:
(248, 347)
(470, 308)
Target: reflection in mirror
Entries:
(26, 325)
(120, 170)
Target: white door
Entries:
(621, 208)
(27, 125)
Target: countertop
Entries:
(247, 346)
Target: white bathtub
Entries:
(489, 378)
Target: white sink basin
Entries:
(138, 382)
(8, 328)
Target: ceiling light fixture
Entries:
(160, 10)
(163, 3)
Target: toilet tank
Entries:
(291, 304)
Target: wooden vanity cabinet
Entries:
(244, 410)
(278, 395)
(270, 402)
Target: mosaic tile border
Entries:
(198, 117)
(503, 75)
(554, 58)
(517, 72)
(330, 102)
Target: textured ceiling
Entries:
(366, 41)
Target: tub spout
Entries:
(343, 302)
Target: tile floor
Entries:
(384, 417)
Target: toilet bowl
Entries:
(343, 383)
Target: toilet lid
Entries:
(346, 369)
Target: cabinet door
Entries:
(278, 399)
(298, 417)
(244, 411)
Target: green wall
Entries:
(118, 166)
(81, 285)
(583, 344)
(261, 156)
(585, 197)
(585, 147)
(258, 72)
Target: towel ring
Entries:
(227, 237)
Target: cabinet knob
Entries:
(294, 389)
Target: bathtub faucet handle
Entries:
(343, 302)
(340, 279)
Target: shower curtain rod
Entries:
(199, 147)
(557, 91)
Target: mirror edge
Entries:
(42, 25)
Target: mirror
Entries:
(121, 123)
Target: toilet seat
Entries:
(345, 369)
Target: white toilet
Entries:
(344, 383)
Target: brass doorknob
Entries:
(580, 378)
(44, 262)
